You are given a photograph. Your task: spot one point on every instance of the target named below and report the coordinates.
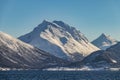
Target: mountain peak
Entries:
(42, 26)
(104, 41)
(60, 39)
(59, 22)
(62, 24)
(46, 21)
(103, 35)
(106, 37)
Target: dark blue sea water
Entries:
(59, 75)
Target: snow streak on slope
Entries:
(17, 54)
(104, 42)
(59, 39)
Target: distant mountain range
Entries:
(56, 44)
(60, 39)
(103, 41)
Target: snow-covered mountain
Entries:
(60, 39)
(17, 54)
(103, 42)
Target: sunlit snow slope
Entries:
(60, 39)
(17, 54)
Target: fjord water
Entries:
(59, 75)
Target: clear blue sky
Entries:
(91, 17)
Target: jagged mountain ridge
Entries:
(17, 54)
(60, 39)
(103, 42)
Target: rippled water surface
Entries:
(59, 75)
